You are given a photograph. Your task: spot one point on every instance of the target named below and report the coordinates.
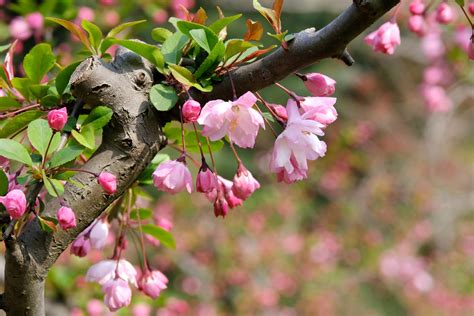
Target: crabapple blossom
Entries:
(221, 207)
(319, 85)
(237, 119)
(206, 180)
(81, 246)
(57, 119)
(35, 21)
(244, 183)
(444, 13)
(66, 218)
(98, 233)
(15, 203)
(417, 25)
(417, 7)
(107, 270)
(173, 176)
(436, 98)
(191, 110)
(117, 294)
(319, 109)
(19, 28)
(152, 283)
(85, 13)
(223, 197)
(385, 39)
(108, 182)
(471, 8)
(280, 112)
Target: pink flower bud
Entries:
(95, 308)
(66, 218)
(35, 20)
(85, 13)
(117, 294)
(417, 7)
(111, 18)
(319, 85)
(191, 110)
(98, 233)
(221, 207)
(173, 177)
(160, 16)
(416, 24)
(280, 112)
(244, 183)
(444, 13)
(471, 8)
(81, 246)
(152, 283)
(108, 182)
(19, 28)
(57, 119)
(206, 180)
(15, 203)
(107, 2)
(141, 309)
(385, 39)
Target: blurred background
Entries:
(383, 226)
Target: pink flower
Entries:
(66, 218)
(35, 21)
(470, 50)
(444, 13)
(206, 180)
(152, 283)
(141, 309)
(98, 233)
(111, 18)
(117, 294)
(223, 192)
(107, 2)
(85, 13)
(417, 7)
(173, 176)
(436, 99)
(237, 119)
(244, 183)
(191, 110)
(319, 85)
(107, 270)
(385, 38)
(95, 308)
(417, 25)
(15, 203)
(319, 109)
(471, 8)
(81, 246)
(57, 119)
(298, 143)
(432, 45)
(221, 207)
(280, 112)
(160, 16)
(108, 182)
(19, 28)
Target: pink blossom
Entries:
(237, 119)
(95, 308)
(223, 197)
(15, 203)
(66, 218)
(385, 39)
(230, 197)
(280, 112)
(462, 37)
(471, 8)
(298, 143)
(141, 309)
(117, 294)
(191, 110)
(107, 270)
(152, 283)
(173, 176)
(107, 2)
(98, 233)
(417, 25)
(57, 119)
(111, 18)
(108, 182)
(19, 28)
(81, 246)
(432, 45)
(436, 99)
(319, 109)
(417, 7)
(444, 13)
(470, 51)
(244, 183)
(319, 85)
(85, 13)
(206, 180)
(160, 16)
(221, 207)
(35, 20)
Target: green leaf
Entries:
(99, 117)
(160, 34)
(206, 40)
(23, 85)
(166, 238)
(47, 225)
(86, 137)
(52, 185)
(3, 182)
(95, 34)
(123, 26)
(236, 46)
(142, 214)
(65, 155)
(460, 2)
(18, 122)
(74, 29)
(38, 90)
(220, 24)
(49, 101)
(62, 80)
(269, 117)
(163, 97)
(150, 52)
(39, 134)
(185, 27)
(13, 150)
(172, 48)
(39, 61)
(183, 75)
(7, 103)
(211, 61)
(192, 144)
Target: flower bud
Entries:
(417, 7)
(66, 218)
(206, 180)
(280, 112)
(15, 203)
(320, 85)
(85, 13)
(98, 233)
(81, 246)
(416, 24)
(471, 8)
(221, 207)
(19, 28)
(57, 119)
(152, 283)
(191, 110)
(35, 20)
(117, 294)
(244, 183)
(444, 13)
(108, 182)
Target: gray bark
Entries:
(133, 137)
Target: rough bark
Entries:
(133, 137)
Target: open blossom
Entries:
(93, 236)
(191, 110)
(319, 109)
(444, 13)
(15, 203)
(385, 39)
(57, 119)
(117, 294)
(173, 176)
(107, 270)
(298, 143)
(152, 283)
(319, 85)
(66, 217)
(237, 119)
(244, 183)
(108, 182)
